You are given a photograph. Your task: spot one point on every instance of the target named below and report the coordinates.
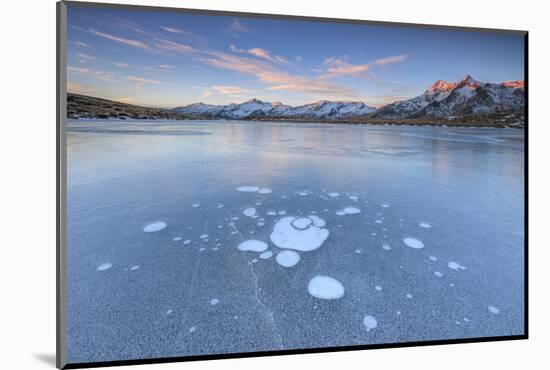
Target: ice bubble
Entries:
(169, 312)
(253, 246)
(260, 224)
(425, 225)
(353, 197)
(104, 266)
(266, 255)
(192, 329)
(358, 251)
(378, 288)
(348, 211)
(378, 221)
(271, 213)
(195, 205)
(214, 301)
(135, 267)
(287, 258)
(248, 189)
(386, 247)
(370, 322)
(438, 274)
(301, 223)
(203, 236)
(254, 260)
(317, 221)
(385, 205)
(286, 236)
(202, 249)
(249, 212)
(155, 226)
(493, 309)
(432, 258)
(333, 194)
(409, 296)
(220, 206)
(303, 193)
(455, 266)
(186, 241)
(325, 287)
(413, 243)
(265, 191)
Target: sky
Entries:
(168, 59)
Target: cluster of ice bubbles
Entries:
(294, 234)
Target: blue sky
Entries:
(168, 59)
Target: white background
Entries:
(27, 209)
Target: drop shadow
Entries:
(47, 358)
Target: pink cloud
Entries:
(174, 46)
(134, 43)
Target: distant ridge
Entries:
(467, 102)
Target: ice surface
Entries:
(325, 287)
(104, 266)
(253, 246)
(370, 322)
(287, 258)
(286, 236)
(155, 226)
(413, 243)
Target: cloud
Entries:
(391, 60)
(80, 44)
(105, 76)
(165, 66)
(230, 90)
(177, 31)
(121, 65)
(237, 26)
(338, 66)
(142, 81)
(80, 71)
(73, 87)
(129, 42)
(84, 56)
(298, 58)
(275, 78)
(206, 93)
(259, 53)
(174, 46)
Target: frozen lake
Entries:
(192, 238)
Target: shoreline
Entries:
(383, 123)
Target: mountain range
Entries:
(441, 100)
(466, 102)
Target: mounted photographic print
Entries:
(234, 184)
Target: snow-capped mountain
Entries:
(466, 97)
(257, 108)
